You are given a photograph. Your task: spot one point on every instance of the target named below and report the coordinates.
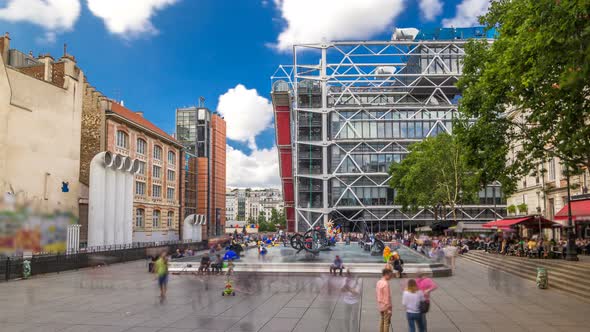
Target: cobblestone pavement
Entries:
(124, 297)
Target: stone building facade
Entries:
(156, 206)
(545, 191)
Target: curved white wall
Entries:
(110, 206)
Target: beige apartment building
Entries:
(40, 129)
(545, 191)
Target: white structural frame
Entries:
(396, 81)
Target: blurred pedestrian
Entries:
(351, 296)
(161, 269)
(412, 299)
(427, 286)
(384, 300)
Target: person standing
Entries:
(450, 253)
(161, 269)
(384, 300)
(427, 286)
(351, 296)
(411, 299)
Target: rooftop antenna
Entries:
(65, 49)
(201, 101)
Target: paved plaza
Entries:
(124, 297)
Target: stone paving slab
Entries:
(123, 297)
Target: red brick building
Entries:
(156, 206)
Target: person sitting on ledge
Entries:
(337, 265)
(205, 262)
(218, 265)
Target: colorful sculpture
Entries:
(229, 289)
(386, 254)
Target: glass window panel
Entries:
(404, 130)
(419, 129)
(411, 130)
(373, 128)
(365, 129)
(381, 130)
(396, 130)
(388, 129)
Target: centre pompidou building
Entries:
(344, 111)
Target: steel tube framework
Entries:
(355, 107)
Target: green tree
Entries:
(529, 91)
(435, 173)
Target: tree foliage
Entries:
(435, 173)
(529, 91)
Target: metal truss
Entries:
(375, 82)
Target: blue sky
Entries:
(158, 55)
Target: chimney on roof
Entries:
(5, 46)
(47, 59)
(139, 113)
(70, 63)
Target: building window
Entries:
(552, 169)
(122, 139)
(156, 191)
(156, 219)
(171, 175)
(171, 158)
(157, 152)
(156, 172)
(139, 217)
(169, 219)
(170, 194)
(141, 144)
(141, 167)
(139, 188)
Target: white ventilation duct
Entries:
(405, 33)
(192, 227)
(110, 207)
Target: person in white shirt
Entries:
(411, 300)
(351, 292)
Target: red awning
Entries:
(528, 221)
(580, 211)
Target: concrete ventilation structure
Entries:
(110, 215)
(346, 110)
(192, 227)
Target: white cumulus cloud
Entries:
(430, 8)
(246, 114)
(52, 15)
(128, 18)
(319, 20)
(467, 13)
(259, 169)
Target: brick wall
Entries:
(37, 71)
(57, 76)
(146, 202)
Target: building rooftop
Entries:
(139, 120)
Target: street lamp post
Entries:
(571, 250)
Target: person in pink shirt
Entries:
(427, 286)
(384, 300)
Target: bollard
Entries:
(26, 269)
(542, 278)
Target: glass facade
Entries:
(357, 112)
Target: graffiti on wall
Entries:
(25, 228)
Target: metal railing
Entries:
(12, 267)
